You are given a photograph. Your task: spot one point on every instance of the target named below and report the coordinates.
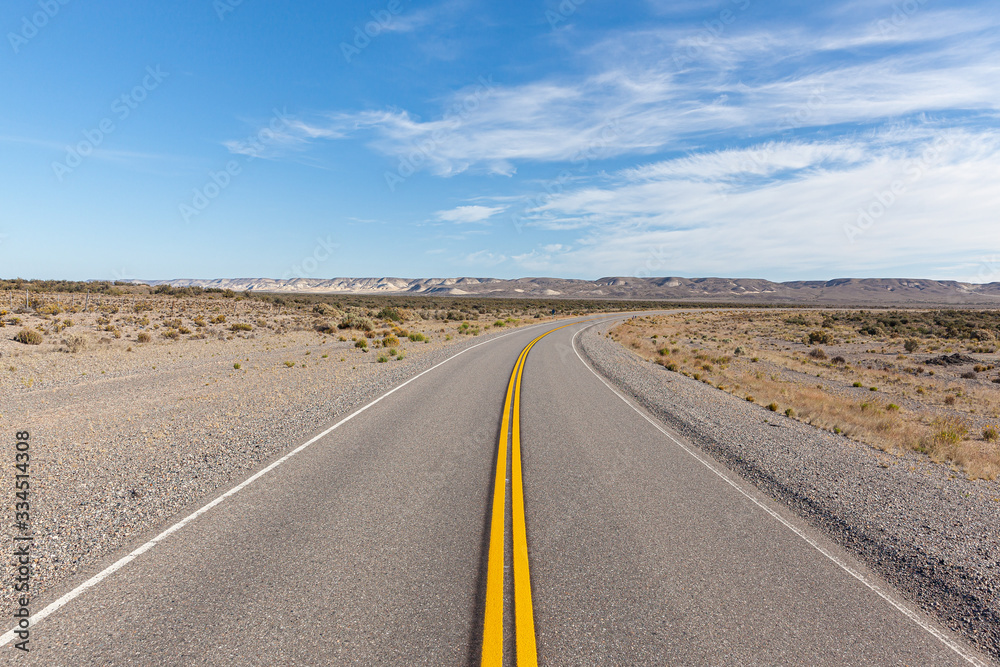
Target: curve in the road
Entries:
(372, 546)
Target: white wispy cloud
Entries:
(484, 258)
(441, 15)
(932, 201)
(765, 151)
(464, 214)
(638, 101)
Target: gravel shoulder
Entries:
(932, 533)
(125, 442)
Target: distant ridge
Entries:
(842, 291)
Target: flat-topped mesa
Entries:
(877, 292)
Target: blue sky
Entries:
(229, 138)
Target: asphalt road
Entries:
(369, 548)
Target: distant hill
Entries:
(844, 291)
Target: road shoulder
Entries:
(927, 531)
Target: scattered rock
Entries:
(952, 360)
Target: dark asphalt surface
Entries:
(368, 548)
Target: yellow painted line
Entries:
(524, 621)
(493, 621)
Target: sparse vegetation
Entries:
(74, 344)
(774, 355)
(352, 321)
(390, 314)
(819, 337)
(28, 337)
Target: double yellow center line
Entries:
(524, 623)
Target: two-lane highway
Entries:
(372, 546)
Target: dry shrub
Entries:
(28, 337)
(979, 461)
(947, 441)
(352, 321)
(324, 309)
(74, 343)
(819, 337)
(49, 309)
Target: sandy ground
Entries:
(125, 435)
(868, 386)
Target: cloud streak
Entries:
(466, 214)
(760, 150)
(673, 217)
(740, 85)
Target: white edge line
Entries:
(52, 607)
(909, 613)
